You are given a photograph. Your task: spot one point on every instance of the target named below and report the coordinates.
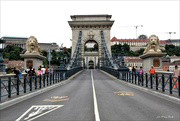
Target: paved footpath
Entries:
(93, 96)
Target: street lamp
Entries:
(49, 57)
(2, 66)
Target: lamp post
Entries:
(49, 57)
(2, 66)
(62, 69)
(122, 69)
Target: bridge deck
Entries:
(92, 95)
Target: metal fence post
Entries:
(9, 87)
(179, 85)
(36, 81)
(118, 75)
(53, 77)
(142, 79)
(25, 84)
(132, 77)
(163, 83)
(0, 89)
(40, 81)
(47, 79)
(151, 80)
(17, 86)
(156, 81)
(170, 84)
(138, 75)
(44, 78)
(135, 77)
(129, 76)
(146, 80)
(30, 83)
(50, 78)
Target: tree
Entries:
(13, 52)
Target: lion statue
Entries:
(153, 45)
(32, 46)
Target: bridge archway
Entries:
(89, 29)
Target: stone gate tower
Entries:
(91, 27)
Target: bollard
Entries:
(163, 83)
(170, 84)
(156, 82)
(25, 84)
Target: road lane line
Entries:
(96, 111)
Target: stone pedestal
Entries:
(154, 59)
(33, 60)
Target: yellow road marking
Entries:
(57, 99)
(123, 93)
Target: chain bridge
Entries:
(93, 86)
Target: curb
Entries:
(165, 96)
(32, 94)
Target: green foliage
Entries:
(169, 49)
(13, 52)
(44, 53)
(55, 56)
(8, 70)
(116, 49)
(172, 50)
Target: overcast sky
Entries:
(47, 20)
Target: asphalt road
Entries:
(93, 96)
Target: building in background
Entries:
(21, 42)
(18, 64)
(46, 46)
(175, 42)
(165, 63)
(174, 58)
(141, 42)
(6, 61)
(172, 65)
(18, 41)
(133, 61)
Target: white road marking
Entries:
(95, 100)
(37, 111)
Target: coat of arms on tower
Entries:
(91, 35)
